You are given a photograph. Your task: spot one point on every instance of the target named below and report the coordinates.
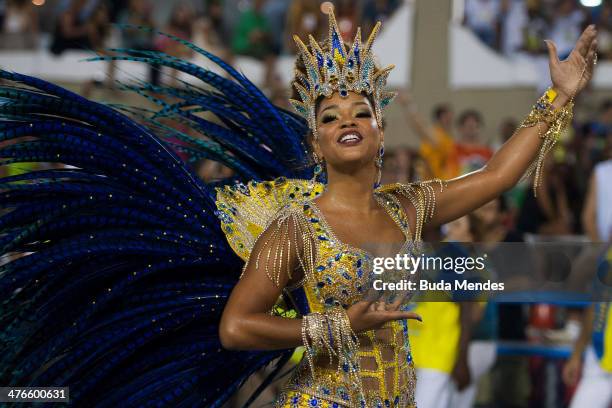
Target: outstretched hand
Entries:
(571, 75)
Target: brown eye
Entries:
(364, 114)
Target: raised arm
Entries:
(414, 118)
(466, 193)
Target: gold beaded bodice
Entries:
(335, 275)
(340, 277)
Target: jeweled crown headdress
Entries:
(339, 70)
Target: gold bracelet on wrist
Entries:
(331, 332)
(557, 120)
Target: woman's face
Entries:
(348, 131)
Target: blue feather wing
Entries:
(229, 113)
(115, 268)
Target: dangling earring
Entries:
(318, 169)
(317, 172)
(316, 175)
(378, 162)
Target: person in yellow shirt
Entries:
(442, 360)
(595, 341)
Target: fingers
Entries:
(401, 298)
(586, 38)
(402, 315)
(363, 305)
(380, 306)
(590, 57)
(553, 56)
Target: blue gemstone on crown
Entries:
(330, 66)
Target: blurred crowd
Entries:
(453, 145)
(261, 29)
(521, 26)
(462, 368)
(450, 144)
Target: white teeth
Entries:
(349, 138)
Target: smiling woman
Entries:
(313, 244)
(126, 285)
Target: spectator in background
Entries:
(2, 11)
(180, 25)
(208, 33)
(439, 151)
(253, 38)
(470, 153)
(483, 17)
(442, 361)
(548, 213)
(589, 147)
(594, 343)
(404, 165)
(304, 18)
(81, 26)
(437, 145)
(20, 26)
(504, 321)
(602, 127)
(535, 32)
(347, 16)
(84, 25)
(513, 22)
(276, 15)
(604, 25)
(377, 10)
(597, 213)
(138, 13)
(566, 26)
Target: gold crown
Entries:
(339, 70)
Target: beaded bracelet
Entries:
(332, 332)
(556, 119)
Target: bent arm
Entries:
(246, 323)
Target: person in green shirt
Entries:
(252, 33)
(253, 37)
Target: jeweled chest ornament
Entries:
(339, 70)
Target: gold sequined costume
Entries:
(262, 222)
